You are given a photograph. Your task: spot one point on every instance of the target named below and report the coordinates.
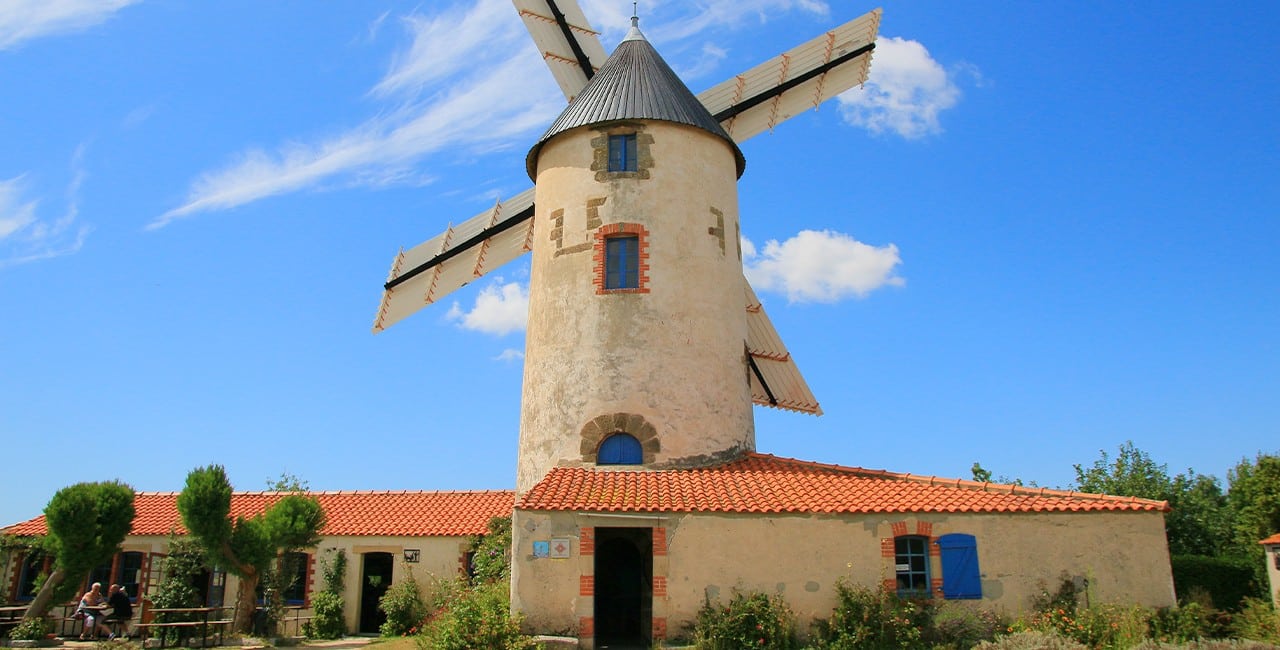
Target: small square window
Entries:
(622, 262)
(622, 153)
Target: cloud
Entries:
(500, 309)
(24, 20)
(24, 236)
(510, 355)
(821, 266)
(905, 93)
(463, 83)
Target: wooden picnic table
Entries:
(10, 616)
(200, 618)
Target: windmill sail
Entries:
(438, 266)
(775, 379)
(565, 40)
(795, 81)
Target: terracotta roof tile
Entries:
(761, 483)
(1274, 539)
(362, 514)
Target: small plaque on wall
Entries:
(560, 547)
(412, 555)
(542, 549)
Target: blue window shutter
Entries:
(620, 449)
(622, 153)
(961, 577)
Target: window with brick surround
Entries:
(622, 262)
(622, 152)
(911, 563)
(621, 259)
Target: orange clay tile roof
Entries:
(360, 514)
(1274, 539)
(760, 483)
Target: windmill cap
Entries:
(634, 84)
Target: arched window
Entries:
(620, 449)
(911, 559)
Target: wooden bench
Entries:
(145, 630)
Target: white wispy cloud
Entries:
(470, 80)
(500, 308)
(24, 20)
(464, 81)
(821, 266)
(27, 237)
(905, 92)
(510, 355)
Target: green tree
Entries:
(491, 552)
(246, 546)
(1254, 500)
(1198, 519)
(87, 522)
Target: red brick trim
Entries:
(586, 585)
(586, 627)
(899, 528)
(886, 547)
(659, 587)
(597, 256)
(924, 528)
(936, 584)
(311, 580)
(659, 541)
(889, 585)
(659, 628)
(587, 541)
(934, 549)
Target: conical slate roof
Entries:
(634, 84)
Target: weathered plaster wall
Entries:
(1273, 572)
(1123, 556)
(672, 353)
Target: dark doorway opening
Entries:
(623, 587)
(375, 578)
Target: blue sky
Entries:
(1040, 230)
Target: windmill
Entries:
(576, 350)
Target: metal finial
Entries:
(635, 13)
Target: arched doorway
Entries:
(375, 578)
(623, 587)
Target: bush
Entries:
(1228, 580)
(1030, 640)
(1257, 620)
(873, 619)
(403, 606)
(31, 629)
(752, 620)
(329, 620)
(1179, 624)
(958, 626)
(491, 552)
(479, 617)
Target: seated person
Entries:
(121, 608)
(92, 607)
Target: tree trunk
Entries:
(246, 602)
(43, 601)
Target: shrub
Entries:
(479, 617)
(1257, 620)
(873, 619)
(491, 552)
(1179, 624)
(403, 605)
(1228, 580)
(31, 629)
(750, 620)
(329, 619)
(958, 626)
(1030, 640)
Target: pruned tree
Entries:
(86, 522)
(246, 546)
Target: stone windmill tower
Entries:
(645, 345)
